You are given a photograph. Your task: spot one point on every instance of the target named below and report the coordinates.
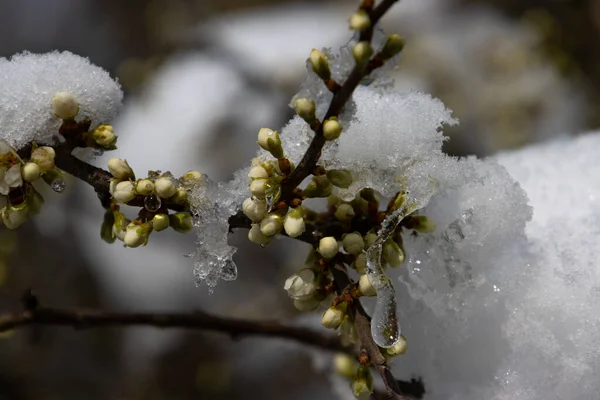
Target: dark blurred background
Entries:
(204, 76)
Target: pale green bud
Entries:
(30, 172)
(64, 105)
(269, 140)
(333, 201)
(393, 45)
(353, 243)
(305, 108)
(256, 236)
(309, 304)
(319, 64)
(318, 187)
(106, 230)
(423, 224)
(362, 52)
(144, 187)
(191, 179)
(165, 187)
(104, 135)
(328, 247)
(160, 222)
(399, 348)
(332, 129)
(345, 365)
(392, 253)
(348, 332)
(120, 169)
(180, 196)
(365, 288)
(301, 286)
(123, 192)
(43, 157)
(181, 222)
(332, 317)
(120, 225)
(258, 188)
(344, 212)
(293, 224)
(254, 209)
(360, 264)
(15, 216)
(271, 225)
(360, 20)
(362, 386)
(340, 178)
(137, 235)
(370, 238)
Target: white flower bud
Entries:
(399, 348)
(301, 286)
(345, 365)
(13, 177)
(120, 225)
(104, 135)
(257, 172)
(43, 157)
(360, 264)
(192, 179)
(269, 140)
(392, 253)
(344, 212)
(160, 222)
(15, 216)
(256, 236)
(309, 304)
(332, 317)
(137, 235)
(30, 172)
(359, 21)
(123, 192)
(293, 224)
(271, 225)
(120, 169)
(64, 105)
(181, 222)
(364, 286)
(319, 64)
(254, 209)
(180, 196)
(165, 187)
(144, 187)
(305, 108)
(362, 52)
(328, 247)
(332, 129)
(353, 243)
(258, 187)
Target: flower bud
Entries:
(344, 365)
(399, 348)
(332, 317)
(318, 187)
(333, 201)
(104, 136)
(13, 177)
(254, 209)
(123, 192)
(370, 238)
(30, 172)
(120, 225)
(293, 224)
(43, 157)
(328, 247)
(344, 212)
(301, 286)
(271, 225)
(181, 222)
(120, 169)
(191, 179)
(365, 288)
(137, 235)
(180, 196)
(362, 52)
(340, 178)
(348, 332)
(360, 20)
(256, 236)
(332, 129)
(393, 45)
(160, 222)
(309, 304)
(258, 172)
(422, 224)
(360, 264)
(258, 187)
(165, 187)
(144, 187)
(305, 108)
(64, 105)
(392, 253)
(15, 216)
(106, 230)
(319, 64)
(269, 140)
(362, 386)
(353, 243)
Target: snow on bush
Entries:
(28, 82)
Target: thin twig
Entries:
(198, 320)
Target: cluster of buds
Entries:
(154, 194)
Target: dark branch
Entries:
(236, 328)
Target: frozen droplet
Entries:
(152, 202)
(384, 323)
(228, 270)
(58, 185)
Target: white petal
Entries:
(13, 176)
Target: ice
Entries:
(28, 82)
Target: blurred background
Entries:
(200, 78)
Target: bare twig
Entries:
(197, 320)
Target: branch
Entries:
(340, 98)
(198, 320)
